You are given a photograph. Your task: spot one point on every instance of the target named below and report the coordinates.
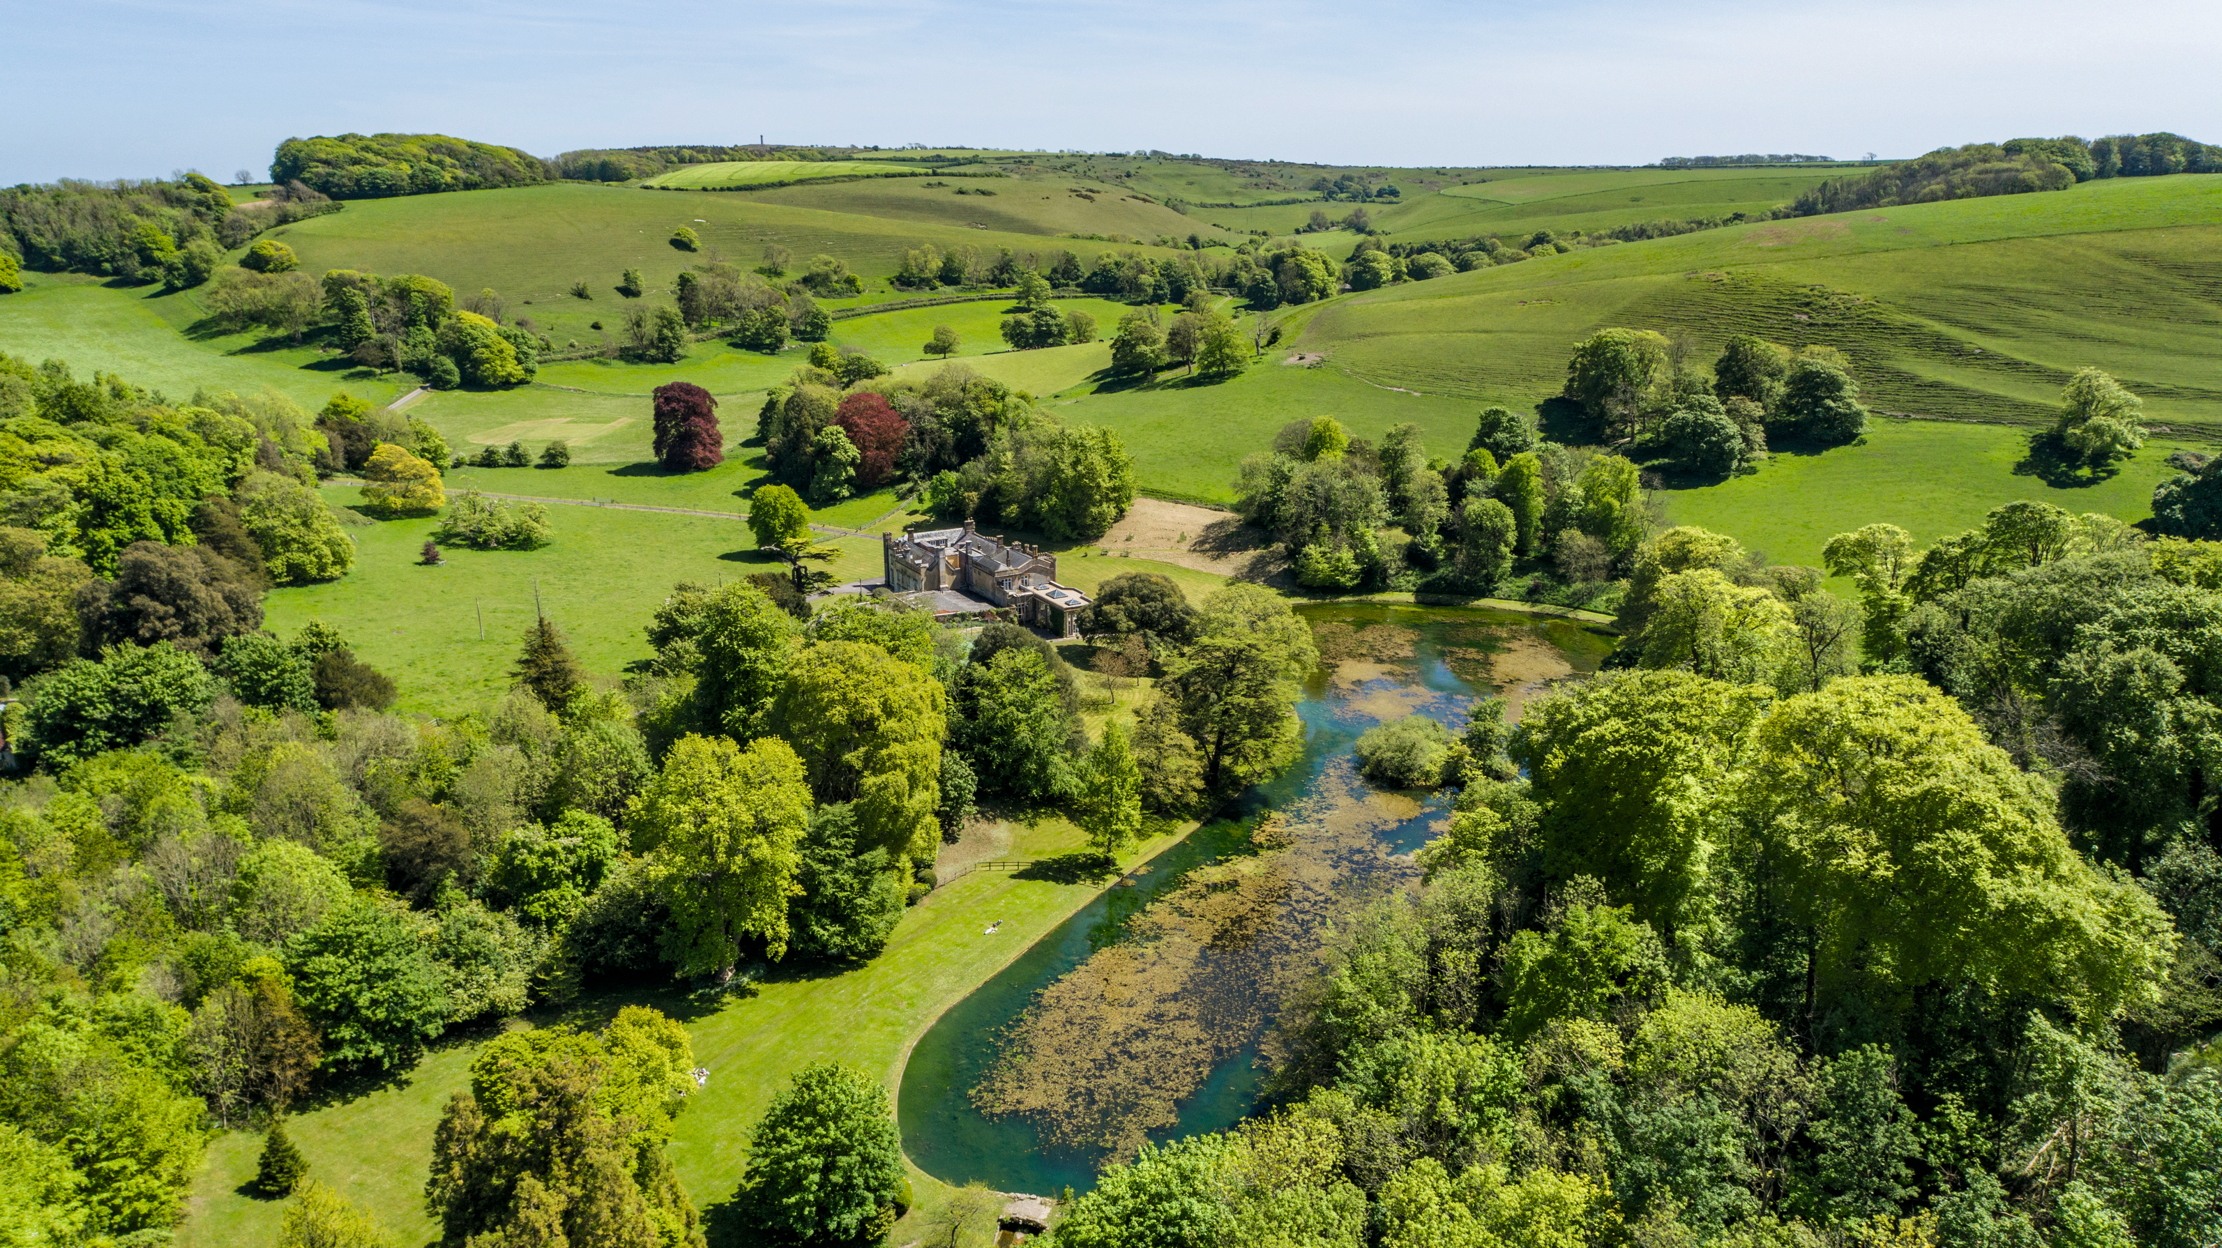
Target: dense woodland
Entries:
(1813, 921)
(354, 166)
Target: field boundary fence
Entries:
(999, 864)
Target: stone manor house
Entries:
(953, 565)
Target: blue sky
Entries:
(136, 88)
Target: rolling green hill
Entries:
(1973, 309)
(728, 174)
(1029, 205)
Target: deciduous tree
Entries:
(1109, 808)
(397, 483)
(868, 728)
(1235, 687)
(825, 1164)
(686, 437)
(723, 824)
(876, 431)
(777, 516)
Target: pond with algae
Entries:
(1140, 1018)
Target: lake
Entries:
(1142, 1016)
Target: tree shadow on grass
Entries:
(1082, 867)
(730, 1223)
(1565, 422)
(2052, 461)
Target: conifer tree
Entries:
(282, 1165)
(546, 667)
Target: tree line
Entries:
(172, 232)
(2017, 166)
(626, 164)
(980, 450)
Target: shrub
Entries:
(556, 454)
(11, 274)
(630, 285)
(685, 239)
(268, 255)
(580, 290)
(1408, 753)
(442, 374)
(483, 523)
(514, 456)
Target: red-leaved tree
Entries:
(686, 436)
(878, 432)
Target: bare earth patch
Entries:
(1194, 537)
(984, 840)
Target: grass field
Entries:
(1974, 309)
(531, 243)
(376, 1148)
(729, 173)
(600, 580)
(1030, 205)
(142, 336)
(1513, 203)
(1931, 478)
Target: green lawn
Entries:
(1930, 478)
(600, 580)
(725, 173)
(376, 1148)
